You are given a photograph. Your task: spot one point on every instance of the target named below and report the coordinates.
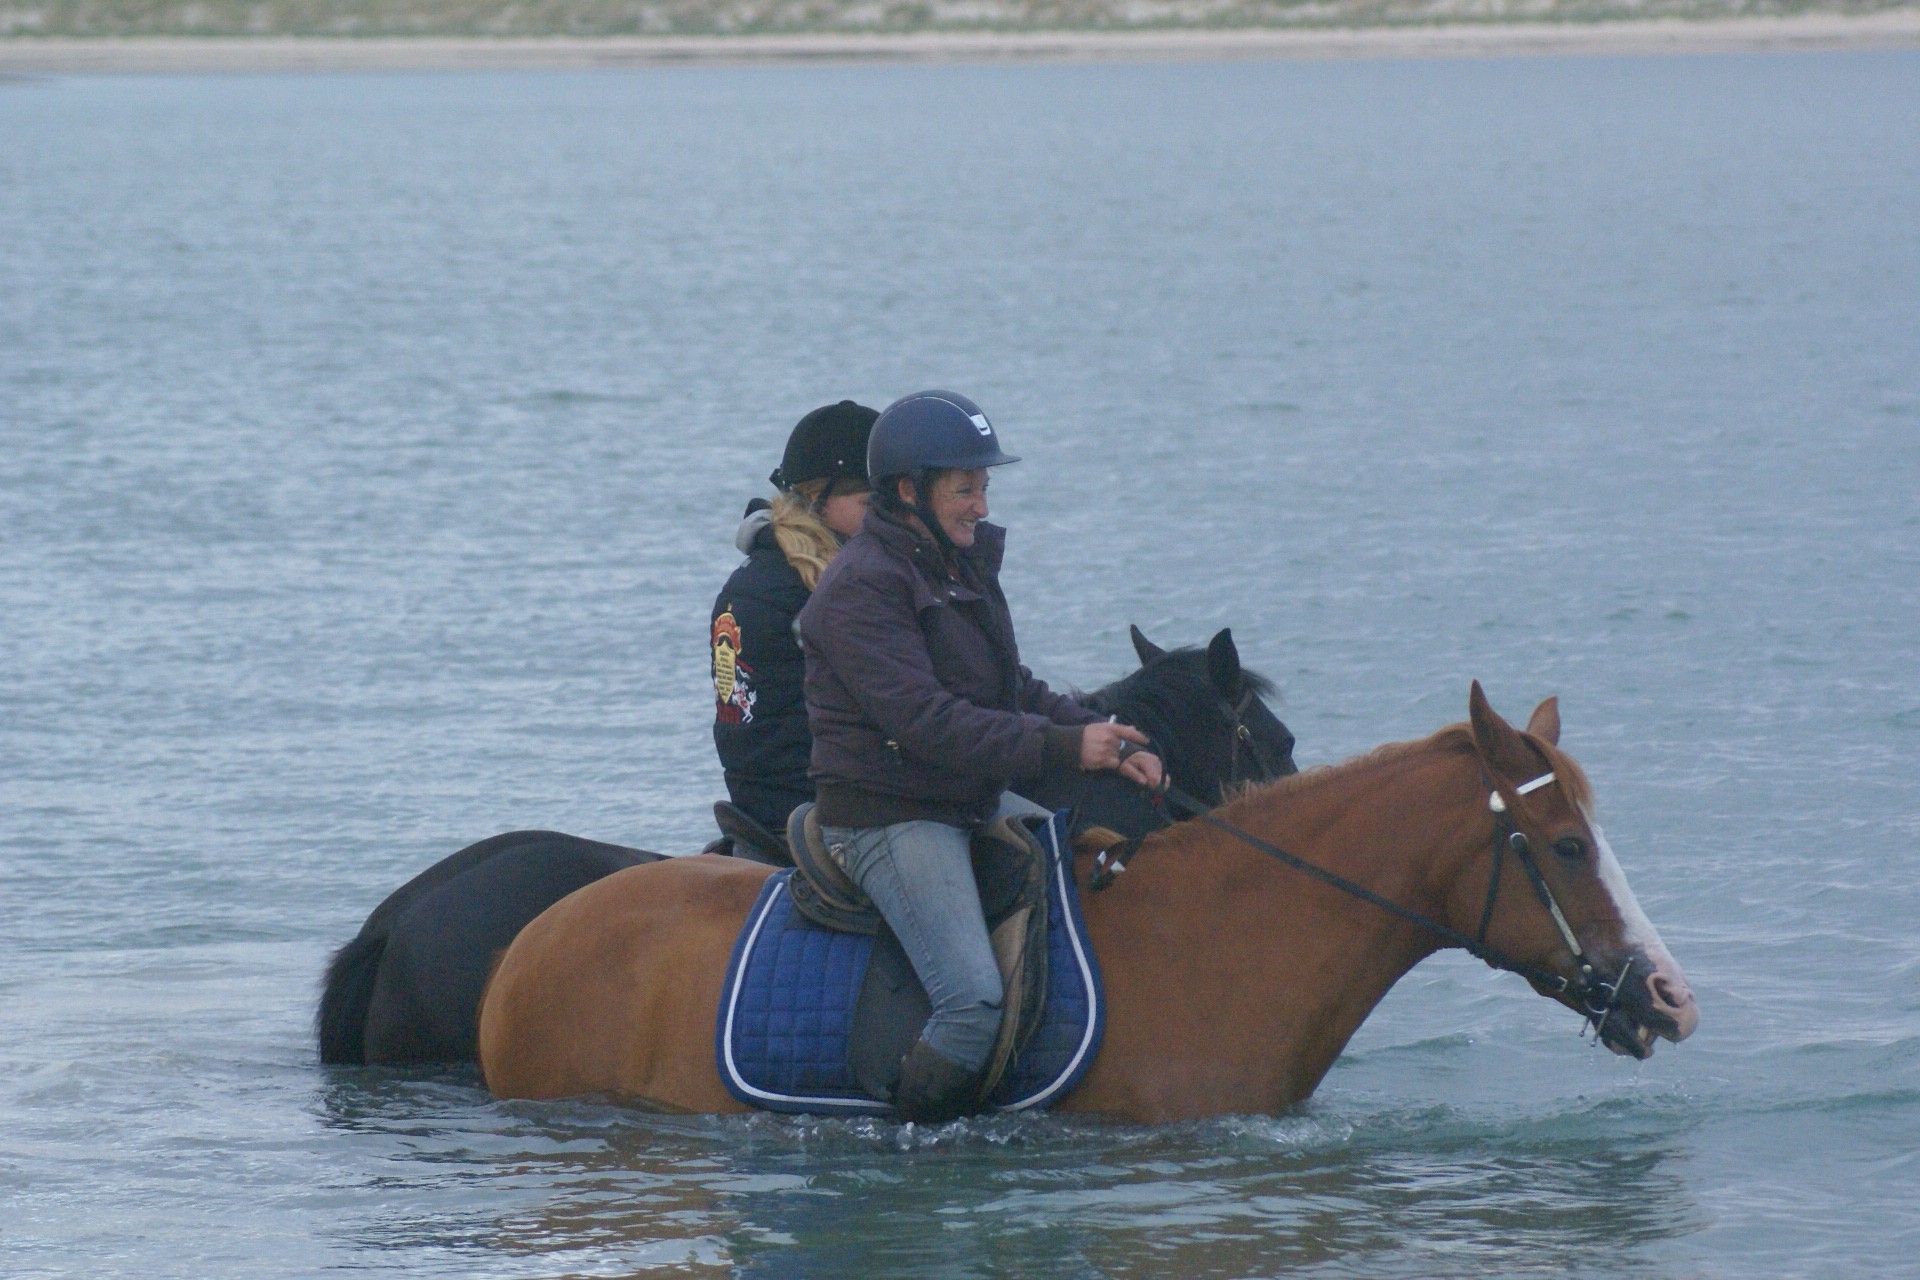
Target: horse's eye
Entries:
(1571, 847)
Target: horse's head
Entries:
(1206, 714)
(1563, 906)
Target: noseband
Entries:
(1597, 998)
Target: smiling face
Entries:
(958, 500)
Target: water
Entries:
(372, 447)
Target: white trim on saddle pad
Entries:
(1089, 977)
(1048, 1093)
(739, 1082)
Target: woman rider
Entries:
(921, 715)
(760, 719)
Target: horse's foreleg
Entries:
(615, 988)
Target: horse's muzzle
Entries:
(1651, 1000)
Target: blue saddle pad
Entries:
(786, 1010)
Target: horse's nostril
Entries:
(1673, 998)
(1666, 994)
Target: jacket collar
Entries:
(988, 550)
(756, 530)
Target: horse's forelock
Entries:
(1566, 771)
(1258, 684)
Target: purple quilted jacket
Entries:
(915, 694)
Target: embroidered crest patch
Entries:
(732, 677)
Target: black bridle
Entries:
(1242, 738)
(1597, 998)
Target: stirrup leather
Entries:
(822, 890)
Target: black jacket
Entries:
(760, 715)
(918, 702)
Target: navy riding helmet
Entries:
(932, 431)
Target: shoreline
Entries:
(28, 55)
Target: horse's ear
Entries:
(1544, 723)
(1223, 663)
(1498, 742)
(1146, 648)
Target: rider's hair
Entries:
(804, 538)
(886, 492)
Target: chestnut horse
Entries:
(1233, 978)
(406, 988)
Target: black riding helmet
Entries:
(828, 444)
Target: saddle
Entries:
(1010, 867)
(743, 837)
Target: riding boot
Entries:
(933, 1088)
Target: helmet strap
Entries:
(923, 508)
(819, 504)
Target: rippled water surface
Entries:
(370, 448)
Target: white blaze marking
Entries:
(1637, 931)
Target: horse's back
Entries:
(407, 988)
(427, 1000)
(614, 989)
(551, 849)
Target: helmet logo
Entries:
(980, 424)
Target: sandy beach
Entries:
(46, 56)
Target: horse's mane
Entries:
(1163, 689)
(1455, 739)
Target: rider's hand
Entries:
(1118, 746)
(1100, 744)
(1144, 768)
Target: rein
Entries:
(1585, 988)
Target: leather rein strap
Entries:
(1110, 863)
(1491, 955)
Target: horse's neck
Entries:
(1109, 800)
(1268, 968)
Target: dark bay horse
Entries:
(1233, 978)
(407, 988)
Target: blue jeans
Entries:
(920, 875)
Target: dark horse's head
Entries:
(1205, 714)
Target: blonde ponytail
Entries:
(804, 539)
